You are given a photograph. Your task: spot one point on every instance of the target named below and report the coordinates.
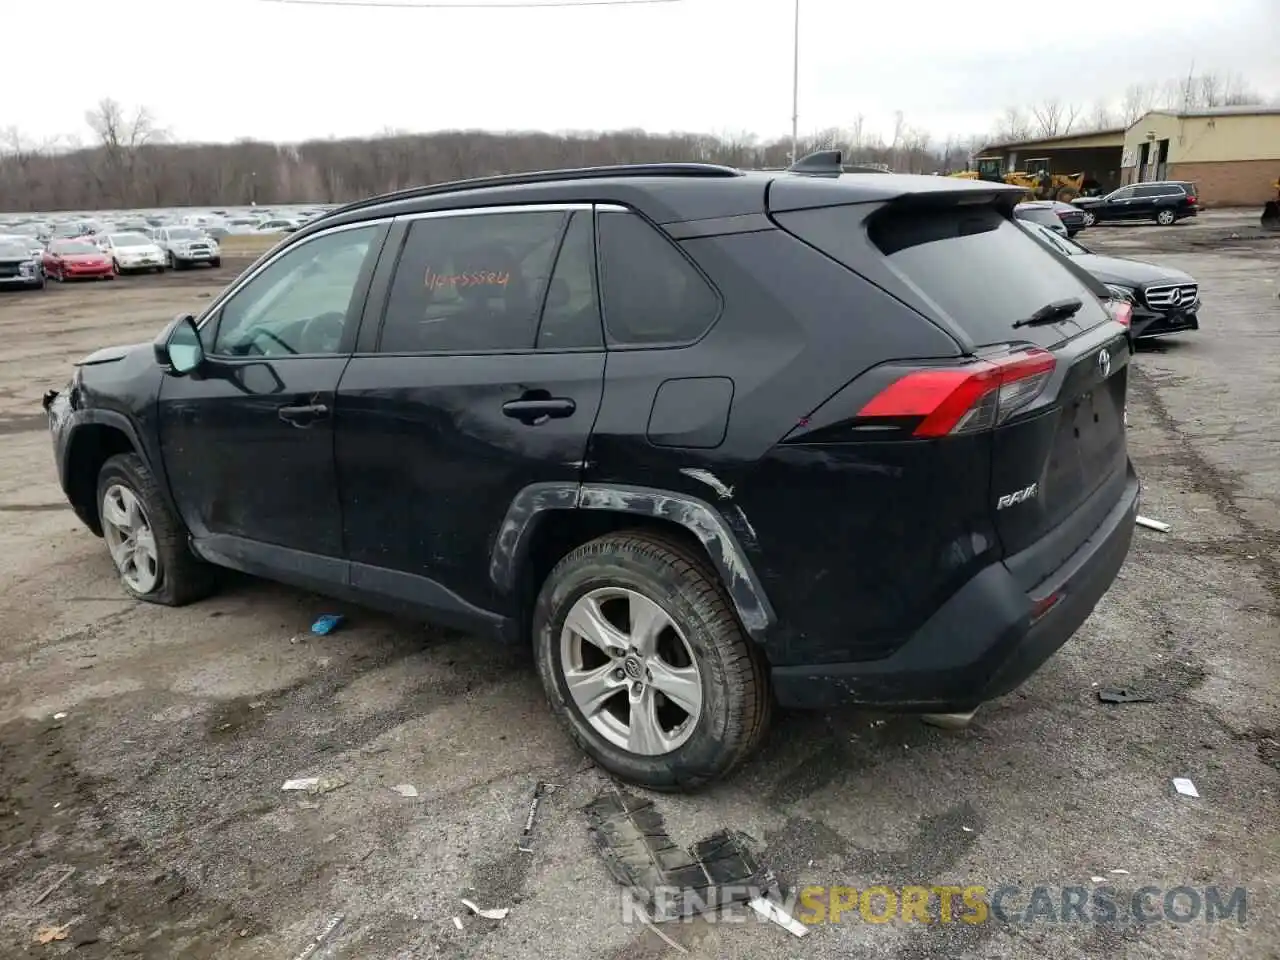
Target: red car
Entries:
(74, 259)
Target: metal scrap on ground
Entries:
(320, 939)
(1124, 695)
(494, 913)
(1157, 525)
(540, 790)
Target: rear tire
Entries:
(725, 673)
(1165, 217)
(169, 574)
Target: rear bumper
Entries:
(982, 643)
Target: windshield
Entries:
(185, 233)
(129, 240)
(74, 248)
(10, 250)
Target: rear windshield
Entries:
(1040, 215)
(980, 269)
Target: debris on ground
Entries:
(540, 790)
(320, 939)
(53, 886)
(713, 873)
(1097, 879)
(314, 784)
(496, 913)
(1156, 525)
(774, 912)
(1119, 871)
(326, 624)
(457, 922)
(50, 934)
(657, 931)
(405, 789)
(1185, 787)
(59, 716)
(1124, 695)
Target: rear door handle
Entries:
(305, 415)
(540, 410)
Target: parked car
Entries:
(1163, 300)
(76, 260)
(1041, 212)
(19, 267)
(132, 252)
(32, 244)
(187, 246)
(1165, 202)
(621, 414)
(277, 226)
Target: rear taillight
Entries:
(966, 399)
(1121, 311)
(1191, 200)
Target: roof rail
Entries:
(546, 176)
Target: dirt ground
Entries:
(146, 747)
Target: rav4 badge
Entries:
(1018, 496)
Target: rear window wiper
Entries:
(1052, 312)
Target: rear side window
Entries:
(652, 294)
(471, 283)
(978, 268)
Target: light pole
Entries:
(795, 87)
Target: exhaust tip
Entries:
(948, 721)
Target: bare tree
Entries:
(1054, 119)
(1100, 116)
(1139, 98)
(1013, 126)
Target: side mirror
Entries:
(179, 347)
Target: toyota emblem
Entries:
(1104, 363)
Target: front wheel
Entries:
(644, 661)
(216, 263)
(1165, 218)
(147, 542)
(1090, 218)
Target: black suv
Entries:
(1164, 202)
(710, 440)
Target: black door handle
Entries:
(303, 416)
(537, 411)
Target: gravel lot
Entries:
(161, 785)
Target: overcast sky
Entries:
(252, 68)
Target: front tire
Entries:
(148, 544)
(645, 663)
(1090, 218)
(216, 263)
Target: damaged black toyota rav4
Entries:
(711, 440)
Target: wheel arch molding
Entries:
(536, 505)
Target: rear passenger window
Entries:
(471, 283)
(652, 294)
(571, 316)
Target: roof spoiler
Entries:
(829, 163)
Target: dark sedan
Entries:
(1164, 300)
(1165, 202)
(1058, 217)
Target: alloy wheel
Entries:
(630, 671)
(130, 539)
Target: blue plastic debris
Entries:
(327, 624)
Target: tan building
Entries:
(1232, 153)
(1096, 154)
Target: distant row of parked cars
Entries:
(33, 251)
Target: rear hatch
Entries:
(1050, 395)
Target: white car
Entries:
(186, 246)
(131, 252)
